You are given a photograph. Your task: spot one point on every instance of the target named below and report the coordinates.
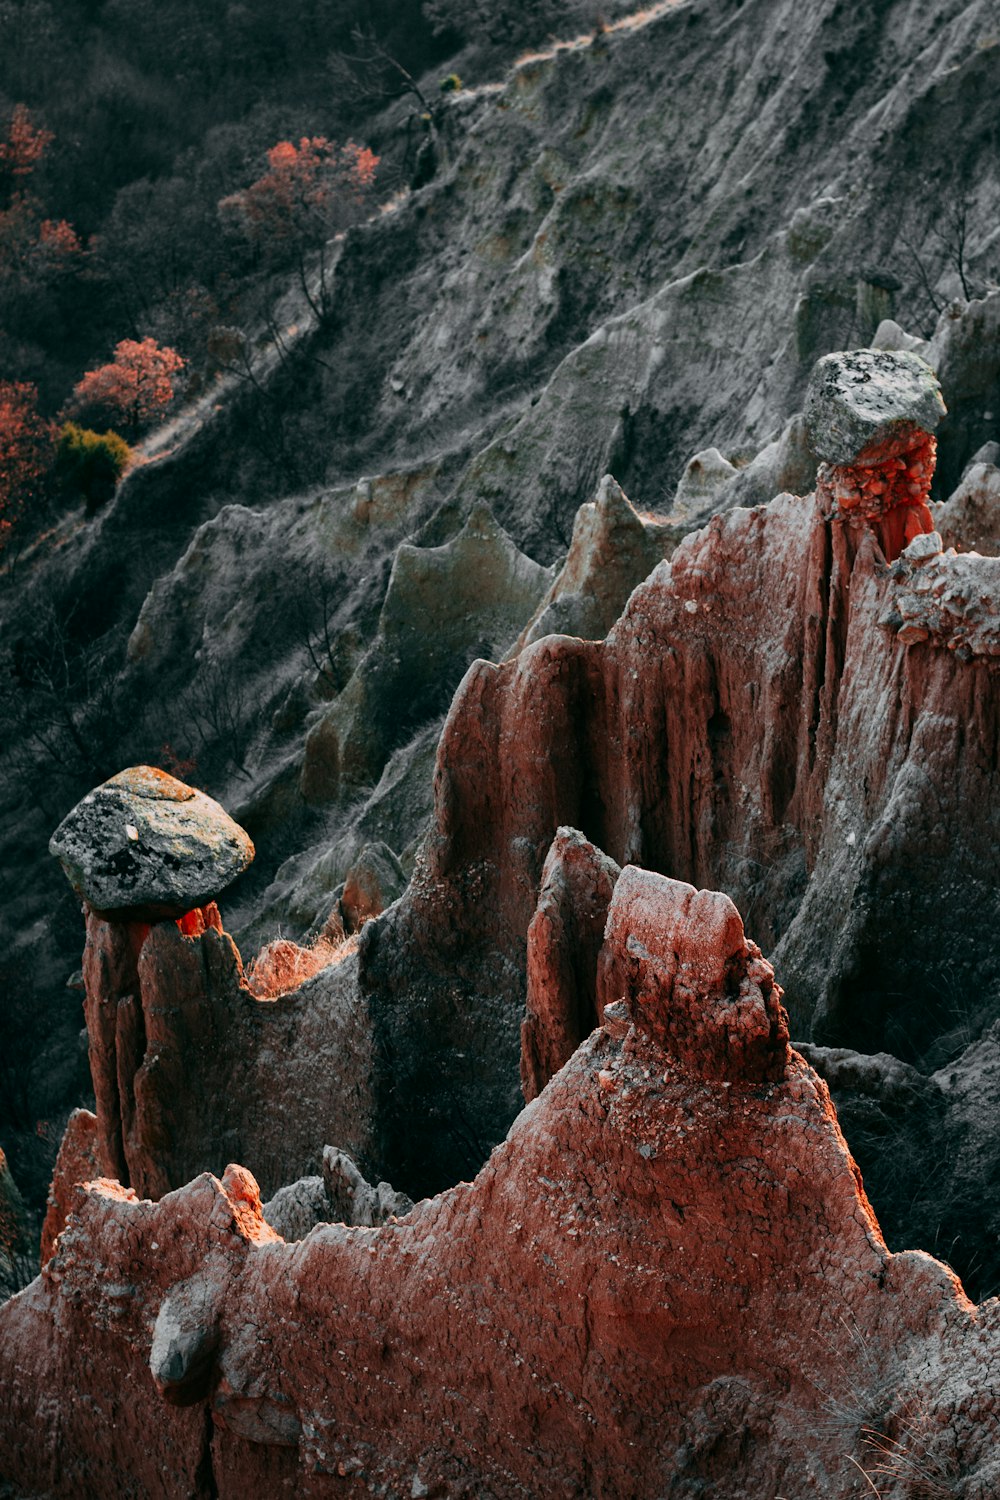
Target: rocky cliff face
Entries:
(666, 1280)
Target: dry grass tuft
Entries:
(282, 965)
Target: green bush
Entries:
(452, 84)
(90, 464)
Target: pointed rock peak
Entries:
(482, 522)
(146, 844)
(691, 980)
(613, 503)
(242, 1198)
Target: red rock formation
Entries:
(752, 723)
(888, 488)
(190, 1068)
(667, 1281)
(564, 939)
(78, 1161)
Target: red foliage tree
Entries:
(312, 191)
(34, 251)
(26, 451)
(24, 146)
(136, 386)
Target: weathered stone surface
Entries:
(564, 939)
(889, 335)
(352, 1199)
(375, 880)
(308, 886)
(190, 1067)
(875, 1075)
(146, 843)
(612, 550)
(186, 1337)
(870, 399)
(677, 379)
(970, 519)
(688, 976)
(340, 1196)
(949, 599)
(714, 1311)
(298, 1207)
(868, 413)
(786, 466)
(79, 1160)
(705, 475)
(443, 607)
(927, 1144)
(749, 721)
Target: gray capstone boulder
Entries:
(145, 843)
(864, 401)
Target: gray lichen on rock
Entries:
(146, 843)
(864, 398)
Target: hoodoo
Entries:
(870, 415)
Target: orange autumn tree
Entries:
(311, 192)
(33, 250)
(26, 451)
(24, 146)
(135, 387)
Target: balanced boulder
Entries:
(865, 400)
(870, 415)
(145, 843)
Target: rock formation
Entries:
(713, 1311)
(340, 1196)
(443, 606)
(374, 881)
(799, 711)
(82, 1157)
(870, 415)
(763, 718)
(189, 1066)
(564, 940)
(13, 1231)
(612, 550)
(970, 518)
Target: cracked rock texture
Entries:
(667, 1280)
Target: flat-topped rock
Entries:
(866, 404)
(145, 843)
